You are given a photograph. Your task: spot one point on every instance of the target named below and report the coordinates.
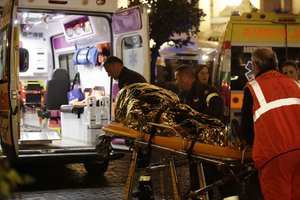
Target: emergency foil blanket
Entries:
(138, 105)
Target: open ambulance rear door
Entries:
(9, 96)
(131, 39)
(131, 42)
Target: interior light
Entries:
(205, 57)
(37, 22)
(58, 16)
(25, 14)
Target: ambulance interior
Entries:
(71, 44)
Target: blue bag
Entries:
(75, 94)
(84, 56)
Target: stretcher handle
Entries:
(176, 133)
(244, 152)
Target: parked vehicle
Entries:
(242, 35)
(196, 53)
(39, 42)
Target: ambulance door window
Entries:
(133, 53)
(3, 56)
(216, 72)
(239, 58)
(293, 44)
(65, 62)
(132, 42)
(281, 53)
(287, 54)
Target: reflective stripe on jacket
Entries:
(276, 115)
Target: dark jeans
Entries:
(212, 174)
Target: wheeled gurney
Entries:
(224, 157)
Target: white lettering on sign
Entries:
(251, 49)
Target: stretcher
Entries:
(221, 156)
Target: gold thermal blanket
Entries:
(177, 144)
(139, 105)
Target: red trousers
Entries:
(280, 178)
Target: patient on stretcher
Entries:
(141, 103)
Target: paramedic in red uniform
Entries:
(271, 122)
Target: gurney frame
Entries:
(224, 164)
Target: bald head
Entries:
(264, 58)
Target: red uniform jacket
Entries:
(276, 115)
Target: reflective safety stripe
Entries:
(211, 95)
(298, 83)
(264, 106)
(275, 104)
(258, 92)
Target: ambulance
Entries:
(244, 33)
(44, 45)
(196, 53)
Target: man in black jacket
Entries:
(205, 99)
(201, 97)
(115, 68)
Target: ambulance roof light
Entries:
(262, 16)
(286, 19)
(235, 13)
(249, 16)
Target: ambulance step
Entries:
(40, 136)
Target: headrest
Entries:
(60, 74)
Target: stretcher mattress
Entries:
(177, 144)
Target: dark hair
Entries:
(185, 69)
(113, 59)
(199, 68)
(264, 58)
(290, 63)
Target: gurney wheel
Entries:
(96, 168)
(103, 149)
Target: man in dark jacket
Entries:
(115, 68)
(205, 99)
(201, 97)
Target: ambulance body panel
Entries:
(242, 35)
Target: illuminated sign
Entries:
(266, 33)
(251, 49)
(271, 32)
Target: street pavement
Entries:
(73, 182)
